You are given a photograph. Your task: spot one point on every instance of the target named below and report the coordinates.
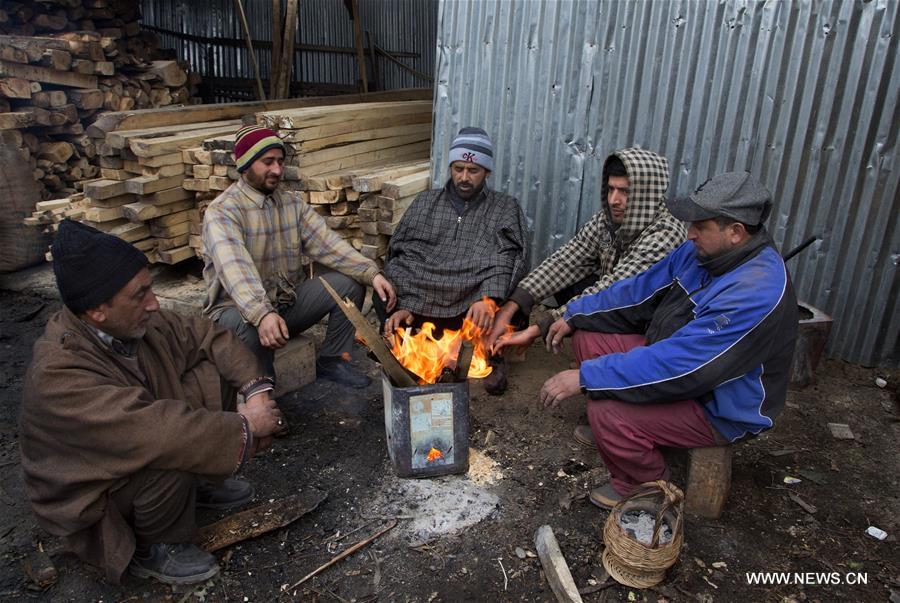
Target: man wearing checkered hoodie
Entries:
(632, 231)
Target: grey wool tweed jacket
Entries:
(441, 261)
(647, 235)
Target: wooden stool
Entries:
(295, 364)
(709, 481)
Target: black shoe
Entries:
(335, 368)
(230, 493)
(181, 563)
(496, 383)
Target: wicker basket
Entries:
(635, 564)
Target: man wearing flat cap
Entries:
(254, 238)
(456, 246)
(696, 351)
(129, 418)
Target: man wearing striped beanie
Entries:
(255, 236)
(458, 249)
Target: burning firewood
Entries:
(428, 356)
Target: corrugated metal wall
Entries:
(802, 94)
(398, 26)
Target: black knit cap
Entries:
(91, 266)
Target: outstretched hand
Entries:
(516, 339)
(482, 315)
(400, 318)
(560, 386)
(559, 330)
(501, 323)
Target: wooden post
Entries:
(555, 567)
(709, 481)
(276, 49)
(357, 38)
(287, 50)
(376, 77)
(261, 94)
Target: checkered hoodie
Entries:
(648, 233)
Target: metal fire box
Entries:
(427, 428)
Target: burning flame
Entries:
(427, 356)
(434, 454)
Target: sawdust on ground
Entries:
(483, 470)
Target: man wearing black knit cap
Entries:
(456, 246)
(125, 407)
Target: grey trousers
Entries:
(313, 303)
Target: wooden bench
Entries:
(709, 481)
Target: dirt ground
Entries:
(337, 445)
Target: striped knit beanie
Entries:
(473, 145)
(252, 141)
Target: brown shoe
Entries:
(496, 383)
(605, 497)
(584, 436)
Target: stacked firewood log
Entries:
(61, 64)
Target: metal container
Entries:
(427, 428)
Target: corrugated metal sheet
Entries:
(404, 26)
(802, 94)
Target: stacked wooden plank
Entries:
(61, 64)
(322, 140)
(144, 185)
(382, 208)
(140, 196)
(51, 213)
(210, 169)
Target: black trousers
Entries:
(313, 303)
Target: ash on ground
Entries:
(639, 525)
(435, 506)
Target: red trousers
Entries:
(629, 435)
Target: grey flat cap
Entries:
(735, 195)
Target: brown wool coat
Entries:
(87, 421)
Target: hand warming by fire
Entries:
(428, 356)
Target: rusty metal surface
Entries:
(802, 94)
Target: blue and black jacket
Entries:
(720, 332)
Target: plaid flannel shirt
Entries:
(253, 245)
(441, 260)
(648, 233)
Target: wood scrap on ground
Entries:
(555, 567)
(258, 520)
(344, 554)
